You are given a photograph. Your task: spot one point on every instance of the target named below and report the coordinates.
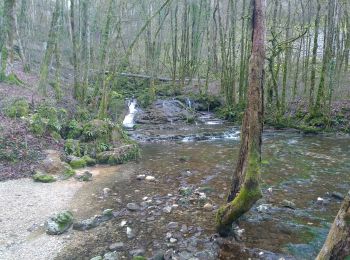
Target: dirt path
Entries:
(26, 205)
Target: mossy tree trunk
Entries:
(245, 190)
(337, 245)
(50, 47)
(7, 53)
(76, 88)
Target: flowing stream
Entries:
(302, 169)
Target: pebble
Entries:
(172, 225)
(130, 233)
(141, 177)
(167, 209)
(123, 223)
(183, 228)
(106, 191)
(173, 240)
(111, 256)
(133, 206)
(150, 178)
(116, 246)
(137, 252)
(208, 207)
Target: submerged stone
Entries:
(133, 207)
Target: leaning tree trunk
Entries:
(245, 189)
(337, 245)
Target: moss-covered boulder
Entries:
(119, 155)
(77, 163)
(89, 161)
(59, 224)
(42, 177)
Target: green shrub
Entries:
(47, 119)
(72, 147)
(18, 108)
(100, 130)
(74, 129)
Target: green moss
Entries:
(78, 163)
(65, 218)
(12, 79)
(89, 161)
(69, 172)
(249, 193)
(18, 108)
(41, 177)
(139, 258)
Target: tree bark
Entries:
(337, 245)
(245, 190)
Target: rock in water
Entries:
(337, 195)
(133, 206)
(167, 209)
(59, 224)
(288, 204)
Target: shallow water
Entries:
(298, 168)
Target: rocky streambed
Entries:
(163, 206)
(166, 209)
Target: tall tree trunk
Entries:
(50, 46)
(7, 53)
(245, 190)
(314, 56)
(76, 89)
(337, 245)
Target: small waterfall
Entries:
(128, 121)
(189, 103)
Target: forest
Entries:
(190, 129)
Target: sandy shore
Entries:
(26, 205)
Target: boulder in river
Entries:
(59, 224)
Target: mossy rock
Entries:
(42, 177)
(89, 161)
(78, 163)
(59, 224)
(139, 258)
(119, 155)
(18, 108)
(68, 172)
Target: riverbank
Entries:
(26, 205)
